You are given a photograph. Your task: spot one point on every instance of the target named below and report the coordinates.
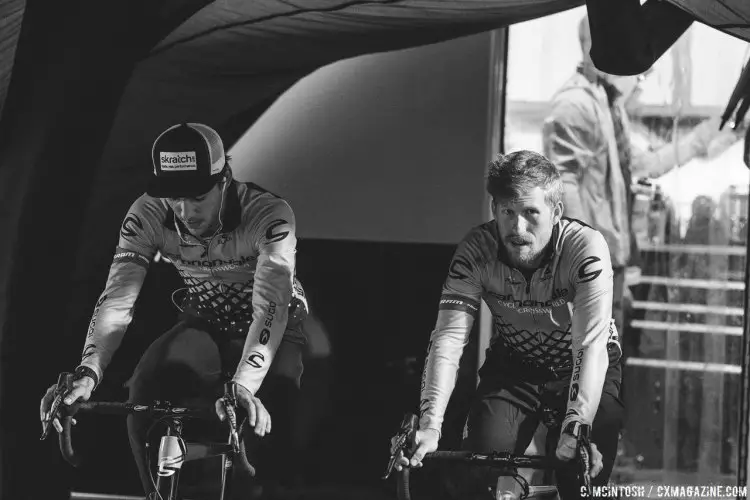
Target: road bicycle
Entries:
(173, 451)
(504, 463)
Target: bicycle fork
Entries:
(173, 452)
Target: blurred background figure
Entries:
(587, 134)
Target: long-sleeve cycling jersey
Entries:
(560, 319)
(242, 275)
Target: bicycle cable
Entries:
(523, 483)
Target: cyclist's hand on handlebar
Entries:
(426, 441)
(258, 417)
(567, 450)
(80, 391)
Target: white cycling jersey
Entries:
(560, 319)
(243, 275)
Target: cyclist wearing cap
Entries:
(233, 244)
(553, 355)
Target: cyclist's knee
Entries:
(496, 424)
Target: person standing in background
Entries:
(587, 136)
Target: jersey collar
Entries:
(232, 213)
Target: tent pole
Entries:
(498, 78)
(743, 471)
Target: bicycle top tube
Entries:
(495, 459)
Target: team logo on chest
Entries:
(532, 306)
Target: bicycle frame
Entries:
(171, 456)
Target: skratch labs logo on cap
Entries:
(182, 160)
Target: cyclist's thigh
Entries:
(182, 363)
(605, 432)
(497, 422)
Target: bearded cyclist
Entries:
(547, 281)
(233, 245)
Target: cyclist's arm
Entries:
(459, 305)
(275, 237)
(591, 277)
(658, 162)
(113, 311)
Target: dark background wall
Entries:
(386, 147)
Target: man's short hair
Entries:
(512, 175)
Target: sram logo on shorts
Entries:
(180, 160)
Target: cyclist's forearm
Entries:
(441, 368)
(112, 314)
(590, 365)
(272, 293)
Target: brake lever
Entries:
(229, 400)
(64, 385)
(402, 441)
(584, 452)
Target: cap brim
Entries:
(164, 187)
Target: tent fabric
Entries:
(232, 57)
(629, 37)
(729, 16)
(11, 16)
(84, 115)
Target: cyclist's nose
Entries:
(519, 224)
(179, 209)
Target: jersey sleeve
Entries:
(591, 277)
(274, 235)
(112, 314)
(459, 305)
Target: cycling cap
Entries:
(188, 161)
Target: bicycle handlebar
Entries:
(500, 460)
(163, 409)
(404, 441)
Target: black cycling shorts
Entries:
(505, 415)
